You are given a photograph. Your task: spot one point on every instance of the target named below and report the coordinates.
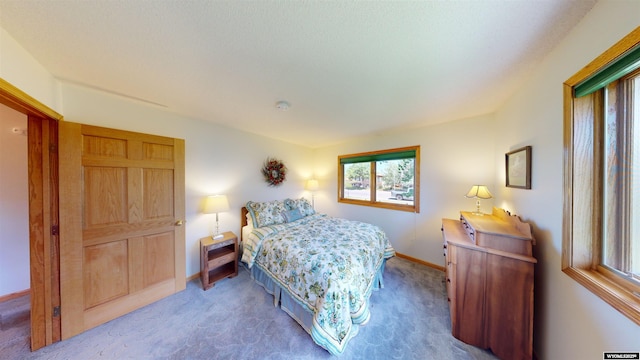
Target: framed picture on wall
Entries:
(518, 166)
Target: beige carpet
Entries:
(236, 319)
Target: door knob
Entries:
(180, 222)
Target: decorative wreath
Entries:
(274, 171)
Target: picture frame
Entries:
(518, 168)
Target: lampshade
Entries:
(312, 185)
(480, 192)
(216, 204)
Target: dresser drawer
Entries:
(468, 229)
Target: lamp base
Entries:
(218, 234)
(477, 212)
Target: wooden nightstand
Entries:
(218, 259)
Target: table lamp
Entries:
(312, 185)
(216, 204)
(479, 192)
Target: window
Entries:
(601, 227)
(621, 177)
(387, 179)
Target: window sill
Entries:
(621, 299)
(379, 204)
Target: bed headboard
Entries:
(243, 219)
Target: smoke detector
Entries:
(282, 105)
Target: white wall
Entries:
(454, 156)
(14, 204)
(218, 160)
(570, 322)
(21, 70)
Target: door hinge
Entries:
(55, 230)
(56, 311)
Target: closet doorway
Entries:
(42, 137)
(14, 227)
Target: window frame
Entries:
(582, 237)
(373, 180)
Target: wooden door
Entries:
(122, 241)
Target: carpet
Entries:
(236, 319)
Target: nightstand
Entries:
(218, 258)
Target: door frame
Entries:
(43, 213)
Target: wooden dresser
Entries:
(489, 273)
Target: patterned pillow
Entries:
(266, 213)
(290, 204)
(303, 204)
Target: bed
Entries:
(320, 270)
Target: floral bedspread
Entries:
(329, 266)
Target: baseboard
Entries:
(194, 276)
(422, 262)
(14, 295)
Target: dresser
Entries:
(489, 278)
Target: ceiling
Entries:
(348, 69)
